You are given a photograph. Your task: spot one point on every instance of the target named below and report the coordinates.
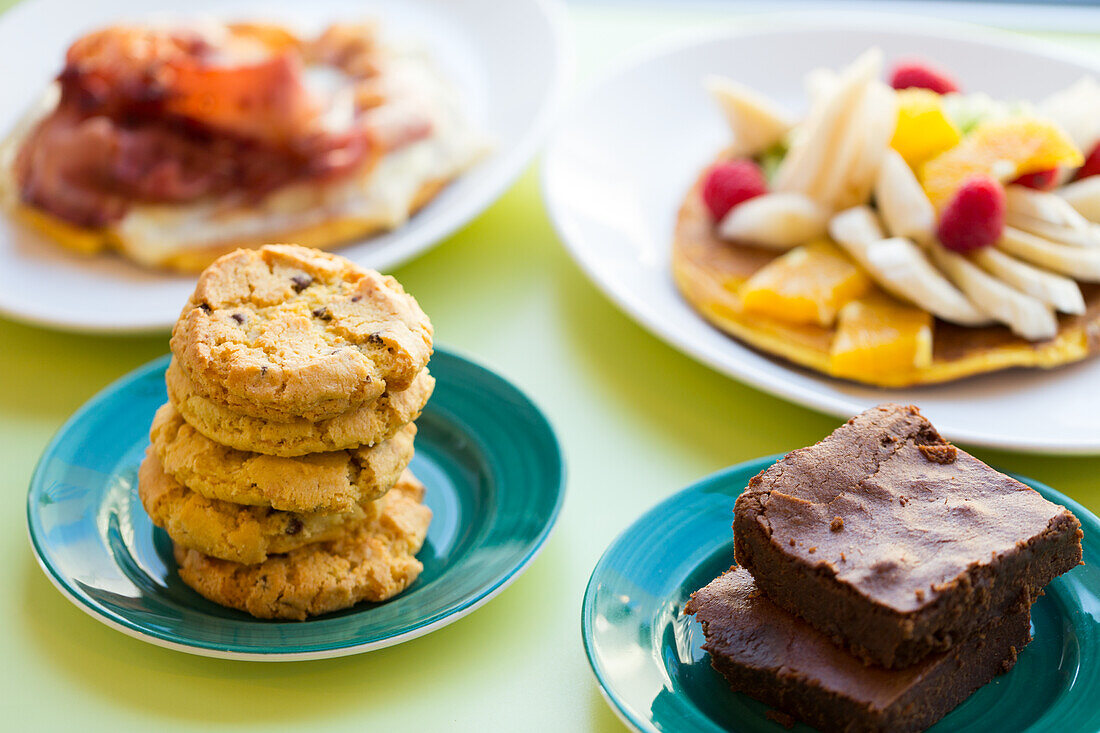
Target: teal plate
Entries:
(495, 483)
(649, 663)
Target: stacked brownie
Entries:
(884, 576)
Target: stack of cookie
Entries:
(279, 465)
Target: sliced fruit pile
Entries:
(897, 204)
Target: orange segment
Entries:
(1003, 149)
(809, 284)
(923, 130)
(878, 337)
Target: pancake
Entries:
(708, 272)
(195, 257)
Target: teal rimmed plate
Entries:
(648, 660)
(495, 483)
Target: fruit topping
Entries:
(1084, 196)
(881, 337)
(809, 284)
(923, 129)
(776, 220)
(1043, 180)
(1003, 149)
(919, 74)
(1048, 215)
(974, 217)
(1061, 293)
(901, 201)
(1028, 317)
(1091, 165)
(755, 121)
(729, 184)
(901, 267)
(836, 152)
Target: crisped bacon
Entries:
(170, 116)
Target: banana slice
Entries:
(1057, 291)
(1046, 207)
(1088, 237)
(901, 268)
(757, 123)
(856, 227)
(1028, 317)
(776, 220)
(1080, 263)
(818, 136)
(820, 82)
(1084, 196)
(902, 202)
(848, 180)
(1047, 215)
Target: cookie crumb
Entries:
(837, 524)
(813, 550)
(792, 542)
(920, 594)
(943, 453)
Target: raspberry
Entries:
(917, 74)
(728, 184)
(974, 217)
(1092, 164)
(1039, 180)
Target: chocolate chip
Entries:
(334, 352)
(239, 318)
(204, 307)
(293, 525)
(263, 370)
(837, 524)
(322, 313)
(301, 282)
(356, 298)
(375, 338)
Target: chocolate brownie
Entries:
(779, 659)
(894, 542)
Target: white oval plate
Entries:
(507, 59)
(618, 167)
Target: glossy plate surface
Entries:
(494, 476)
(624, 157)
(508, 61)
(649, 663)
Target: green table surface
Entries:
(637, 419)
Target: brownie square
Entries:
(896, 544)
(779, 659)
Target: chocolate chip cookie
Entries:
(366, 425)
(336, 481)
(242, 534)
(287, 332)
(373, 561)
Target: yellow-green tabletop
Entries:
(637, 421)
